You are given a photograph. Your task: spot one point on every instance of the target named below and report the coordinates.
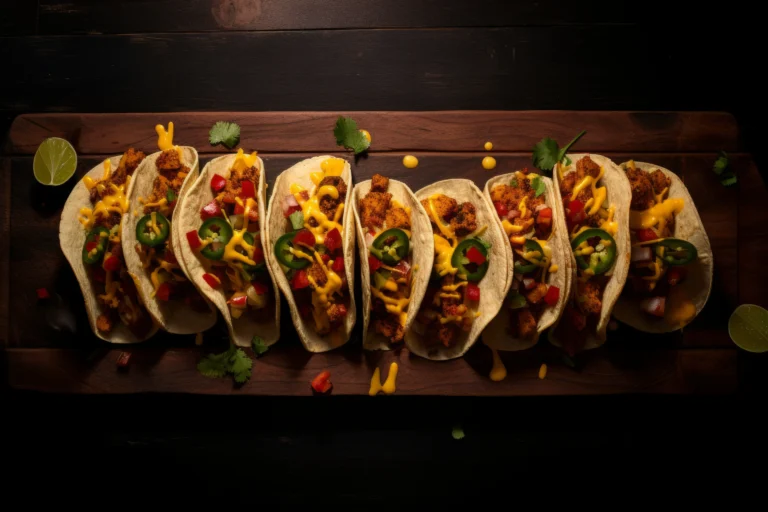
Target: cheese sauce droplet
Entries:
(489, 163)
(367, 135)
(499, 371)
(543, 371)
(410, 161)
(488, 146)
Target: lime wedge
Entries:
(748, 328)
(55, 161)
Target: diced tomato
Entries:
(212, 280)
(210, 210)
(322, 383)
(259, 287)
(326, 258)
(123, 359)
(258, 254)
(91, 246)
(239, 209)
(675, 275)
(42, 293)
(473, 292)
(529, 283)
(300, 280)
(552, 296)
(545, 212)
(333, 240)
(338, 265)
(218, 183)
(654, 306)
(164, 292)
(99, 275)
(170, 257)
(576, 212)
(501, 209)
(646, 235)
(475, 256)
(304, 237)
(239, 302)
(247, 189)
(112, 264)
(194, 240)
(374, 263)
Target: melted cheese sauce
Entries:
(498, 371)
(389, 386)
(659, 215)
(410, 161)
(116, 202)
(165, 139)
(244, 162)
(489, 163)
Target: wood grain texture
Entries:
(454, 131)
(132, 16)
(288, 371)
(424, 69)
(5, 249)
(753, 234)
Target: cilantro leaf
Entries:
(224, 133)
(728, 179)
(514, 183)
(348, 135)
(457, 432)
(240, 366)
(170, 195)
(258, 345)
(722, 169)
(537, 184)
(721, 164)
(546, 154)
(215, 365)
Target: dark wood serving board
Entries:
(701, 359)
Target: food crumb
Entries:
(543, 372)
(488, 146)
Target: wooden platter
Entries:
(701, 359)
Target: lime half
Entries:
(748, 328)
(55, 161)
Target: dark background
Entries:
(182, 55)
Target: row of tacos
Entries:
(156, 242)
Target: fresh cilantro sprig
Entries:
(537, 184)
(233, 361)
(546, 154)
(258, 345)
(348, 135)
(224, 133)
(722, 169)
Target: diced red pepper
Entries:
(170, 257)
(194, 240)
(212, 280)
(259, 287)
(240, 301)
(99, 275)
(675, 275)
(338, 265)
(247, 189)
(112, 264)
(552, 296)
(210, 210)
(326, 258)
(164, 292)
(300, 280)
(322, 383)
(646, 235)
(333, 240)
(239, 209)
(218, 183)
(304, 237)
(374, 263)
(123, 359)
(475, 256)
(576, 212)
(291, 210)
(42, 293)
(258, 254)
(545, 212)
(473, 292)
(91, 246)
(501, 209)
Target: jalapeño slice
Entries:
(218, 230)
(250, 240)
(676, 252)
(391, 246)
(601, 260)
(460, 261)
(147, 235)
(283, 252)
(96, 252)
(529, 246)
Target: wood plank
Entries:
(287, 371)
(753, 234)
(406, 69)
(5, 249)
(271, 132)
(36, 260)
(18, 17)
(131, 16)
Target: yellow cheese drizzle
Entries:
(389, 386)
(165, 139)
(116, 202)
(498, 371)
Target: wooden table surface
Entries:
(68, 56)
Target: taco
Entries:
(670, 274)
(594, 194)
(151, 244)
(537, 285)
(310, 243)
(220, 226)
(468, 274)
(90, 235)
(396, 251)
